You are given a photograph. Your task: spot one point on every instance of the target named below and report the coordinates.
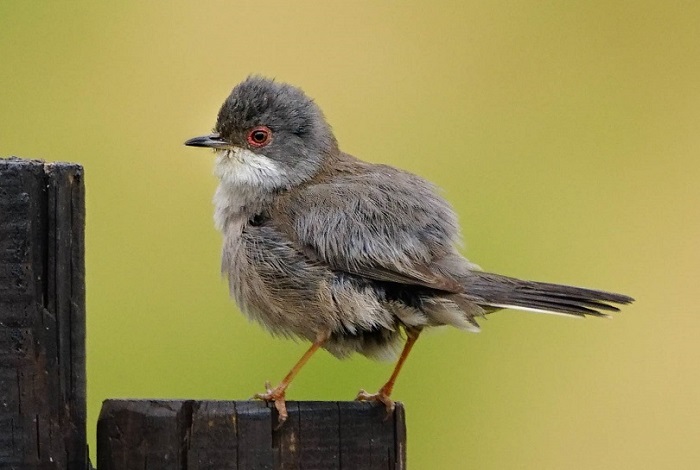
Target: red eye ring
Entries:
(259, 136)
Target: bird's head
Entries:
(268, 134)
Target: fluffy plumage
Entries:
(318, 241)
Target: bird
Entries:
(352, 256)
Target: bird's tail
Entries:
(493, 292)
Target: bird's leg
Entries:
(384, 393)
(276, 394)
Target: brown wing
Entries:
(386, 227)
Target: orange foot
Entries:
(380, 396)
(275, 395)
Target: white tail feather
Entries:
(535, 310)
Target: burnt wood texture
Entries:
(42, 315)
(228, 435)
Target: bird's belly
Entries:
(275, 285)
(279, 287)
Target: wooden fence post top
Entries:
(23, 164)
(161, 434)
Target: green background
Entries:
(566, 134)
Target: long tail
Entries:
(493, 292)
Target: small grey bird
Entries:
(323, 246)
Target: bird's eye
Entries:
(259, 136)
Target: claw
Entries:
(276, 396)
(383, 394)
(381, 397)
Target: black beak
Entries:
(213, 141)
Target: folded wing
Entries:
(390, 227)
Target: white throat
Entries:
(238, 166)
(248, 179)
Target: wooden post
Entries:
(42, 315)
(238, 435)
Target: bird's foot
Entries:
(380, 396)
(275, 395)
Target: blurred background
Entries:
(566, 134)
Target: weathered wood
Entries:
(212, 431)
(229, 435)
(42, 315)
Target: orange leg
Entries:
(383, 394)
(276, 395)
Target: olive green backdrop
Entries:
(567, 135)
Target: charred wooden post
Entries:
(228, 435)
(42, 315)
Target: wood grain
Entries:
(42, 315)
(158, 434)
